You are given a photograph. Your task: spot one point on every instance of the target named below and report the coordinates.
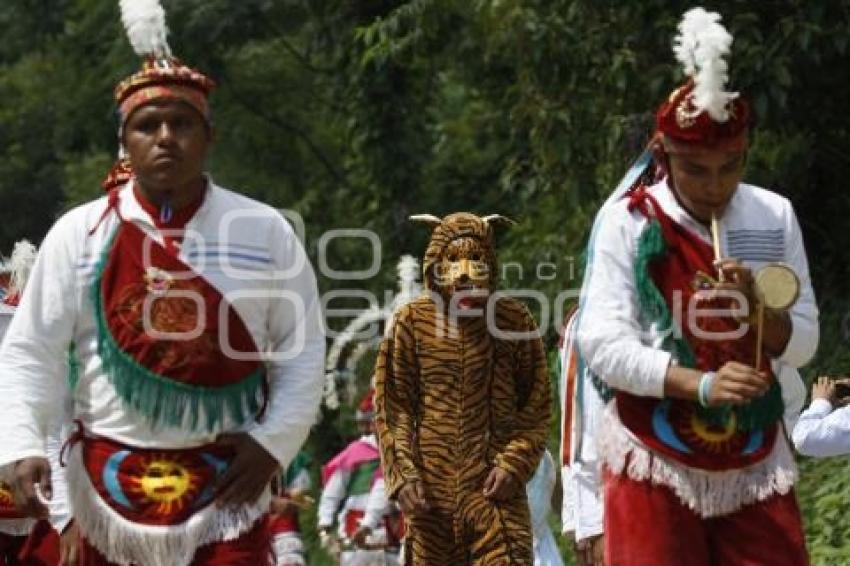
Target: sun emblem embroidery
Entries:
(158, 281)
(166, 484)
(713, 438)
(7, 500)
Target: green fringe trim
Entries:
(162, 400)
(652, 246)
(73, 366)
(757, 414)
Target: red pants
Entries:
(40, 548)
(647, 524)
(253, 548)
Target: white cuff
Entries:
(819, 408)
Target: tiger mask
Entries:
(460, 260)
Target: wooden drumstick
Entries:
(759, 333)
(715, 239)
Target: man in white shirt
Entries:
(823, 429)
(696, 466)
(193, 314)
(354, 497)
(581, 409)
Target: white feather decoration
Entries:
(20, 265)
(144, 21)
(701, 46)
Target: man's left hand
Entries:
(777, 324)
(739, 279)
(499, 485)
(249, 473)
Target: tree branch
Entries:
(279, 122)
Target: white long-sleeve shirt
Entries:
(539, 492)
(582, 508)
(378, 505)
(59, 507)
(242, 247)
(758, 227)
(822, 431)
(335, 500)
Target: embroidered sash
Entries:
(352, 457)
(153, 486)
(668, 272)
(162, 332)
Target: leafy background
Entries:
(357, 114)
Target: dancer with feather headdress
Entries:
(696, 467)
(198, 348)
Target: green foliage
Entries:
(824, 492)
(357, 114)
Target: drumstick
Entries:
(715, 238)
(759, 334)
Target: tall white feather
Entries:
(701, 46)
(144, 21)
(20, 264)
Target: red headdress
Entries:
(366, 409)
(162, 76)
(700, 114)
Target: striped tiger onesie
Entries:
(455, 399)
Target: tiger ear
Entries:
(494, 220)
(429, 219)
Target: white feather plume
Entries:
(20, 264)
(701, 46)
(144, 21)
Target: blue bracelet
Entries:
(704, 387)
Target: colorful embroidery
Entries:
(159, 336)
(153, 487)
(8, 510)
(671, 265)
(681, 428)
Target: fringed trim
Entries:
(16, 527)
(124, 542)
(652, 246)
(165, 401)
(707, 493)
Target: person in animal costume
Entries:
(353, 498)
(193, 316)
(698, 371)
(463, 401)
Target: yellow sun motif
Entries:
(714, 438)
(166, 483)
(6, 498)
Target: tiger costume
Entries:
(455, 400)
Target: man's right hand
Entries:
(30, 472)
(737, 384)
(413, 499)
